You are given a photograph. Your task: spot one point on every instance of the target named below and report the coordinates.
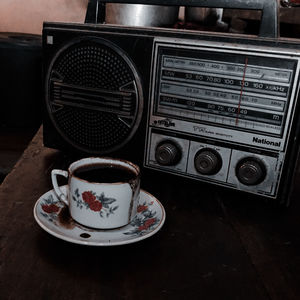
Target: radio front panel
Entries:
(217, 108)
(229, 95)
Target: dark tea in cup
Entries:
(105, 173)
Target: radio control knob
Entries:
(167, 154)
(251, 171)
(208, 161)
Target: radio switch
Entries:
(208, 161)
(167, 153)
(251, 171)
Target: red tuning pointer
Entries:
(242, 90)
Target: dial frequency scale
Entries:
(222, 114)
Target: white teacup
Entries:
(102, 193)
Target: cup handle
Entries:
(62, 196)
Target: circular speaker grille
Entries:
(94, 95)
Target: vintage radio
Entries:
(218, 108)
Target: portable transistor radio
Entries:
(215, 107)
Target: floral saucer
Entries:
(53, 216)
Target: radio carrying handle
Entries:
(269, 21)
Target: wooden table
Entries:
(213, 245)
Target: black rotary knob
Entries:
(251, 171)
(167, 153)
(208, 161)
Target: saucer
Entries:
(53, 216)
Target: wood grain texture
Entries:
(211, 247)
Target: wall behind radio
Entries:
(28, 16)
(21, 69)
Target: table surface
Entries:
(213, 245)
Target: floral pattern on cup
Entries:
(144, 221)
(51, 208)
(97, 203)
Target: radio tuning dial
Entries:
(251, 171)
(167, 153)
(208, 161)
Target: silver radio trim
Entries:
(209, 130)
(163, 126)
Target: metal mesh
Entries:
(91, 64)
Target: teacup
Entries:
(102, 193)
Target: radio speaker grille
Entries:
(94, 96)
